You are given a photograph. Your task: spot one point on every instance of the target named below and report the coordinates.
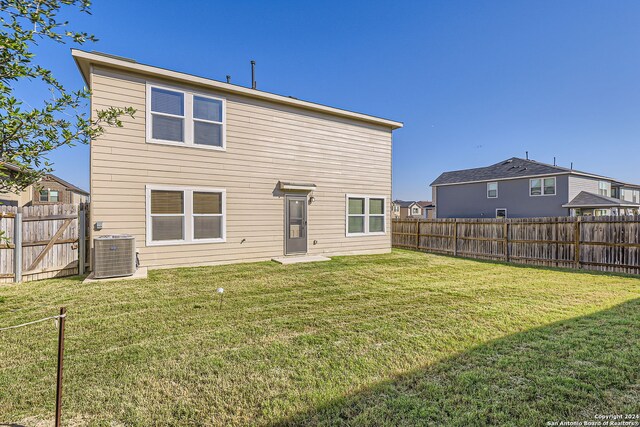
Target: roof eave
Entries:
(83, 59)
(434, 184)
(604, 205)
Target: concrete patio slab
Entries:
(286, 260)
(141, 273)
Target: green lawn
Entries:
(399, 339)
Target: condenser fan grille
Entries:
(115, 256)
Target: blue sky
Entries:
(474, 82)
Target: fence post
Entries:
(63, 314)
(506, 241)
(576, 232)
(82, 230)
(455, 237)
(17, 246)
(557, 239)
(418, 235)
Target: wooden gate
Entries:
(39, 242)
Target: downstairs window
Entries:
(178, 215)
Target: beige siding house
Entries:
(209, 172)
(49, 190)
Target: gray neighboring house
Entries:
(522, 188)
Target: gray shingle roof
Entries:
(586, 199)
(425, 203)
(511, 168)
(404, 203)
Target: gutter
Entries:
(619, 205)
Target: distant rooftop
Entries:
(404, 203)
(514, 167)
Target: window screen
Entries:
(167, 115)
(167, 215)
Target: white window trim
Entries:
(506, 213)
(366, 215)
(188, 215)
(496, 196)
(189, 120)
(555, 186)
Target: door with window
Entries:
(295, 225)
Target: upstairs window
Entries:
(50, 196)
(366, 215)
(603, 188)
(492, 190)
(207, 121)
(542, 186)
(167, 115)
(415, 210)
(184, 118)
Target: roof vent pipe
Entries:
(527, 154)
(253, 74)
(571, 165)
(554, 160)
(228, 78)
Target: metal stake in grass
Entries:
(221, 292)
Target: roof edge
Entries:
(84, 58)
(504, 179)
(70, 186)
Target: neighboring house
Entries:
(428, 209)
(211, 172)
(7, 198)
(520, 188)
(49, 190)
(407, 209)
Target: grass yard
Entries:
(399, 339)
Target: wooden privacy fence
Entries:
(606, 243)
(40, 242)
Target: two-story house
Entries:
(51, 189)
(210, 172)
(521, 188)
(403, 209)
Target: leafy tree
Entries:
(28, 134)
